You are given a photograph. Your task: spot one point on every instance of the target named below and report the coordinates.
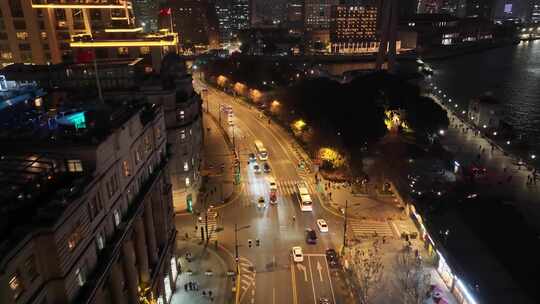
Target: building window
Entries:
(30, 266)
(15, 285)
(147, 146)
(158, 132)
(80, 276)
(125, 166)
(6, 55)
(74, 165)
(116, 217)
(95, 205)
(182, 116)
(100, 241)
(19, 24)
(183, 134)
(22, 35)
(43, 35)
(24, 47)
(75, 237)
(187, 182)
(137, 155)
(145, 50)
(186, 166)
(123, 51)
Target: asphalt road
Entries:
(268, 273)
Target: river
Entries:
(511, 74)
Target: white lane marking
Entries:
(319, 269)
(330, 281)
(312, 285)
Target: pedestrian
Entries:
(185, 287)
(190, 284)
(204, 293)
(211, 299)
(210, 293)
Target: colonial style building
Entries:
(87, 213)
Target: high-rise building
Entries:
(535, 11)
(146, 14)
(65, 30)
(196, 23)
(295, 15)
(480, 9)
(224, 16)
(353, 29)
(241, 15)
(317, 14)
(233, 16)
(87, 211)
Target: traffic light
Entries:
(258, 242)
(249, 243)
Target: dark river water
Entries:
(511, 74)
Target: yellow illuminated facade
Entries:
(353, 29)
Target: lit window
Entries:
(6, 55)
(183, 134)
(137, 155)
(74, 165)
(123, 51)
(75, 237)
(100, 241)
(145, 50)
(187, 182)
(15, 285)
(116, 217)
(44, 35)
(186, 166)
(125, 166)
(80, 276)
(22, 35)
(158, 132)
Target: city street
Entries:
(267, 271)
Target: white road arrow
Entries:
(319, 268)
(303, 269)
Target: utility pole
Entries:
(98, 84)
(236, 245)
(345, 225)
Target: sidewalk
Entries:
(218, 162)
(202, 260)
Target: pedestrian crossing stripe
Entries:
(371, 228)
(212, 224)
(289, 186)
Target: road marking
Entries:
(330, 280)
(315, 254)
(312, 285)
(274, 295)
(319, 268)
(293, 278)
(303, 269)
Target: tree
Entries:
(367, 269)
(413, 282)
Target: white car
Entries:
(297, 254)
(323, 226)
(256, 168)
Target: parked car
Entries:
(311, 236)
(298, 255)
(261, 203)
(266, 168)
(256, 168)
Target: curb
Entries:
(227, 201)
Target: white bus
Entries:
(261, 150)
(304, 199)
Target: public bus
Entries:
(304, 199)
(261, 150)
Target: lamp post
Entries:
(345, 226)
(236, 229)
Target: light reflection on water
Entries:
(511, 74)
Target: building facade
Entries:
(353, 29)
(92, 202)
(317, 14)
(65, 31)
(146, 14)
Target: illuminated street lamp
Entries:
(495, 133)
(533, 156)
(441, 132)
(275, 103)
(299, 124)
(507, 142)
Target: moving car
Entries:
(332, 257)
(266, 168)
(272, 183)
(260, 202)
(324, 301)
(311, 236)
(297, 254)
(323, 226)
(252, 157)
(256, 168)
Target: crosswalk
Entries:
(370, 228)
(247, 274)
(212, 224)
(289, 186)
